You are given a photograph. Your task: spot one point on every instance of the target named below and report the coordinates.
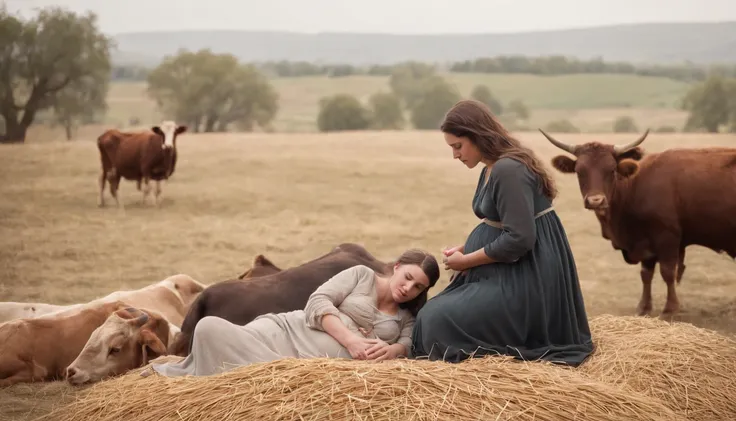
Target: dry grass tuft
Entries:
(338, 389)
(692, 370)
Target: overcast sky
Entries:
(385, 16)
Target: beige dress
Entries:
(219, 345)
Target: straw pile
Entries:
(642, 369)
(691, 370)
(324, 389)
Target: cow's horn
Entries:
(563, 146)
(618, 149)
(140, 320)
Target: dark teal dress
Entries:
(528, 304)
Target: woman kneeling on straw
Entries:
(355, 314)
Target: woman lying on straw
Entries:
(355, 314)
(516, 291)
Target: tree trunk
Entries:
(14, 132)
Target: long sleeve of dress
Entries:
(329, 295)
(513, 192)
(407, 326)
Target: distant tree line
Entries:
(551, 65)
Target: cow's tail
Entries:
(182, 344)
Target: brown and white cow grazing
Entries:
(242, 300)
(143, 156)
(128, 339)
(656, 207)
(41, 349)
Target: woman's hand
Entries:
(383, 351)
(358, 347)
(455, 261)
(450, 250)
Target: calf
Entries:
(128, 339)
(140, 156)
(41, 349)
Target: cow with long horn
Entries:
(652, 207)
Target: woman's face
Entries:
(407, 282)
(464, 150)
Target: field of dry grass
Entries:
(291, 197)
(591, 102)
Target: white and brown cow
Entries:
(139, 156)
(128, 339)
(170, 297)
(41, 349)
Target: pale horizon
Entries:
(388, 17)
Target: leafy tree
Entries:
(561, 126)
(46, 61)
(209, 91)
(518, 109)
(624, 124)
(342, 112)
(408, 79)
(386, 111)
(435, 99)
(483, 94)
(709, 104)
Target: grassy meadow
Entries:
(291, 197)
(590, 102)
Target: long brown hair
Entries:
(429, 266)
(474, 120)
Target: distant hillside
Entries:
(666, 43)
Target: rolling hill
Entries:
(666, 43)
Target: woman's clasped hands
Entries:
(362, 348)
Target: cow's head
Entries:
(598, 166)
(261, 267)
(128, 339)
(169, 130)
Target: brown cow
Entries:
(653, 209)
(170, 297)
(261, 267)
(142, 157)
(128, 339)
(240, 301)
(41, 349)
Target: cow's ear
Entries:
(564, 164)
(636, 154)
(149, 341)
(181, 129)
(157, 130)
(627, 167)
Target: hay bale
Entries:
(691, 370)
(339, 389)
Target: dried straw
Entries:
(692, 370)
(491, 388)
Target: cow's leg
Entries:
(114, 190)
(101, 198)
(668, 269)
(158, 193)
(146, 189)
(681, 265)
(647, 274)
(16, 372)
